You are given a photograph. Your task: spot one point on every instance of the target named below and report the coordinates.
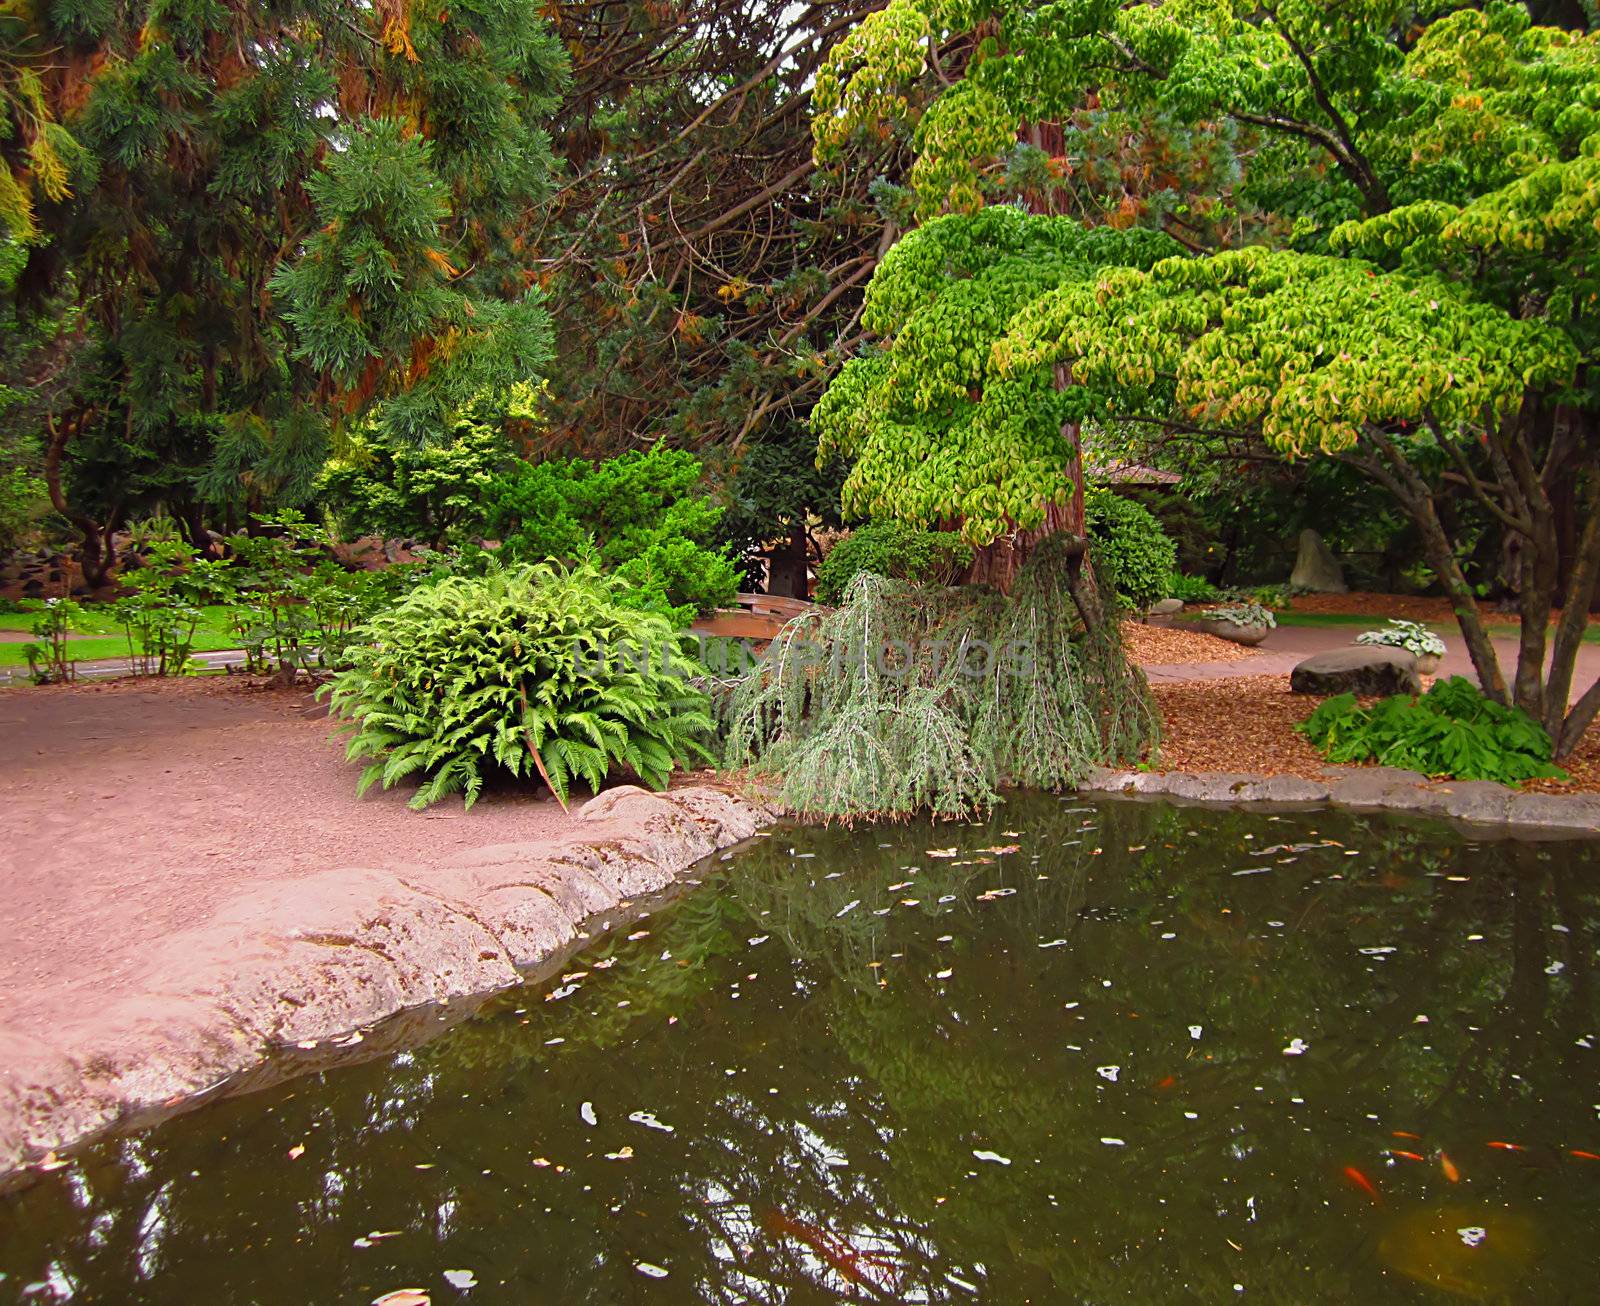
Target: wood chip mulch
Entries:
(1175, 645)
(1244, 724)
(1247, 724)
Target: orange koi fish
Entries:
(1362, 1182)
(1409, 1156)
(1509, 1147)
(1405, 1133)
(1582, 1155)
(1168, 1082)
(1451, 1172)
(868, 1269)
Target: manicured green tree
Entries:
(1434, 326)
(279, 217)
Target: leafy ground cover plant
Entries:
(528, 670)
(895, 551)
(1452, 730)
(1242, 614)
(1412, 636)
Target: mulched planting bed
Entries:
(1176, 645)
(1248, 725)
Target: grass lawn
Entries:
(97, 634)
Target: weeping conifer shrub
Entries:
(533, 670)
(908, 698)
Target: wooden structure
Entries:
(758, 617)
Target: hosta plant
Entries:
(1412, 636)
(1242, 614)
(532, 670)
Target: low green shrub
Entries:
(644, 514)
(1452, 730)
(1191, 589)
(895, 551)
(1134, 551)
(529, 669)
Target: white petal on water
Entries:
(848, 907)
(587, 1112)
(1054, 943)
(991, 1156)
(649, 1121)
(1196, 1030)
(1108, 1073)
(943, 974)
(1297, 1048)
(1473, 1235)
(462, 1279)
(1555, 968)
(1375, 952)
(650, 1271)
(759, 939)
(1113, 1142)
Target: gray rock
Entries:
(1375, 672)
(1555, 811)
(1166, 607)
(1316, 570)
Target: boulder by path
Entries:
(1372, 672)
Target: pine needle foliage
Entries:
(530, 670)
(909, 698)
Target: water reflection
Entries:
(1135, 1059)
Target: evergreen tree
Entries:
(277, 217)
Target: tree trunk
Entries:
(95, 559)
(788, 565)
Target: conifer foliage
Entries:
(279, 216)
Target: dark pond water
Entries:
(1132, 1053)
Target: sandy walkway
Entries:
(187, 877)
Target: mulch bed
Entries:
(1248, 725)
(1175, 645)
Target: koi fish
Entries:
(1409, 1156)
(836, 1251)
(1168, 1082)
(1508, 1147)
(1405, 1133)
(1362, 1182)
(1582, 1155)
(1451, 1172)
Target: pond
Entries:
(1088, 1051)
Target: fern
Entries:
(470, 674)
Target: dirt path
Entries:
(186, 876)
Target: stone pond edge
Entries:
(1478, 803)
(372, 945)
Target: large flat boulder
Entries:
(1369, 672)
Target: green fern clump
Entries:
(531, 670)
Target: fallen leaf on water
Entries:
(297, 1151)
(943, 852)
